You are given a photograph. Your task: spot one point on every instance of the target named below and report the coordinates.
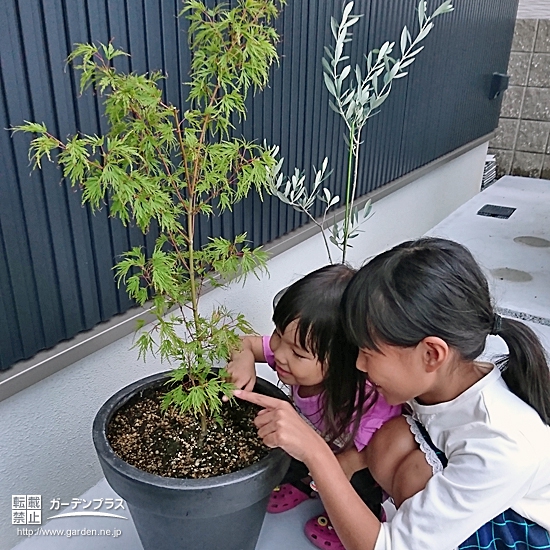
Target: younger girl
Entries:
(308, 352)
(470, 469)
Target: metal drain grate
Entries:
(494, 211)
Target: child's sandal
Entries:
(321, 533)
(285, 497)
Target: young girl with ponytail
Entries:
(469, 467)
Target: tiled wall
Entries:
(521, 144)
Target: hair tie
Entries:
(497, 324)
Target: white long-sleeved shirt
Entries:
(499, 457)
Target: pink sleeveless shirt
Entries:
(311, 407)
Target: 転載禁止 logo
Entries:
(27, 509)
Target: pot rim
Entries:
(104, 449)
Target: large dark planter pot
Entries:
(224, 512)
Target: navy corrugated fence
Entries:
(56, 257)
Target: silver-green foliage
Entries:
(158, 165)
(356, 95)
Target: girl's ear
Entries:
(435, 352)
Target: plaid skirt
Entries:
(507, 531)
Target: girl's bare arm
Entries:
(279, 425)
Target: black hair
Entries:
(434, 287)
(314, 302)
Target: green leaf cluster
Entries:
(156, 165)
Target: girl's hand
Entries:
(279, 425)
(242, 367)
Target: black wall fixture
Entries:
(499, 84)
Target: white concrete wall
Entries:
(45, 430)
(534, 9)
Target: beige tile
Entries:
(506, 132)
(539, 70)
(532, 136)
(518, 68)
(511, 102)
(524, 35)
(527, 164)
(542, 43)
(536, 105)
(503, 159)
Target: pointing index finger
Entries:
(258, 399)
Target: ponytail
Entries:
(525, 369)
(434, 287)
